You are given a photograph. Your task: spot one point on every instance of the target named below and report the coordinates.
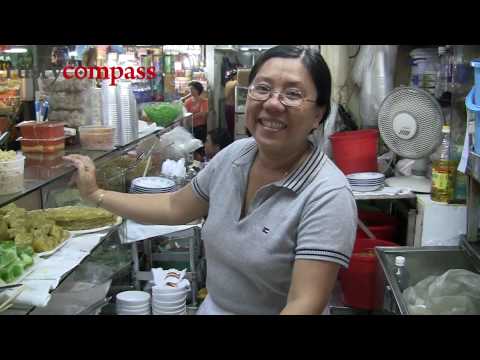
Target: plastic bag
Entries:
(373, 72)
(322, 134)
(456, 292)
(178, 143)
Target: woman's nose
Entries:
(274, 103)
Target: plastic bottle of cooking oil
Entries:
(443, 171)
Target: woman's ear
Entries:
(318, 117)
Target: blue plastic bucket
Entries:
(476, 66)
(470, 104)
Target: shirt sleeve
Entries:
(328, 227)
(203, 182)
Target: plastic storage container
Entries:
(95, 137)
(12, 175)
(359, 280)
(45, 130)
(381, 225)
(42, 145)
(355, 151)
(45, 160)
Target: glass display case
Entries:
(108, 269)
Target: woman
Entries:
(198, 106)
(281, 216)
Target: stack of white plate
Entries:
(152, 185)
(169, 301)
(366, 181)
(133, 303)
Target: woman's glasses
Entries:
(290, 97)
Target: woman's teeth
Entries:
(273, 124)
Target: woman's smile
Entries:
(272, 125)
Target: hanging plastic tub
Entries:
(355, 151)
(472, 102)
(476, 66)
(358, 282)
(381, 225)
(469, 102)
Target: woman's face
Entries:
(273, 125)
(194, 92)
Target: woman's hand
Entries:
(84, 178)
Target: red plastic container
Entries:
(380, 224)
(359, 280)
(47, 160)
(355, 151)
(45, 130)
(42, 145)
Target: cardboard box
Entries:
(242, 76)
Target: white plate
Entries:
(88, 231)
(152, 190)
(136, 187)
(365, 176)
(367, 184)
(158, 308)
(366, 188)
(140, 308)
(133, 314)
(168, 313)
(58, 247)
(153, 182)
(133, 298)
(366, 181)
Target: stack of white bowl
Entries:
(133, 303)
(169, 301)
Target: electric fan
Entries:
(410, 123)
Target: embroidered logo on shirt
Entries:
(265, 230)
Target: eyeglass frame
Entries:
(281, 96)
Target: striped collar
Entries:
(296, 180)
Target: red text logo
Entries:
(112, 73)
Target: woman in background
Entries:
(198, 106)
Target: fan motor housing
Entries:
(410, 122)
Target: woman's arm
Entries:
(312, 285)
(175, 208)
(180, 207)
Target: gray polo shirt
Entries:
(311, 214)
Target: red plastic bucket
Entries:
(355, 151)
(381, 225)
(359, 280)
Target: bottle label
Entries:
(440, 180)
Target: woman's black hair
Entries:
(196, 85)
(313, 62)
(220, 137)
